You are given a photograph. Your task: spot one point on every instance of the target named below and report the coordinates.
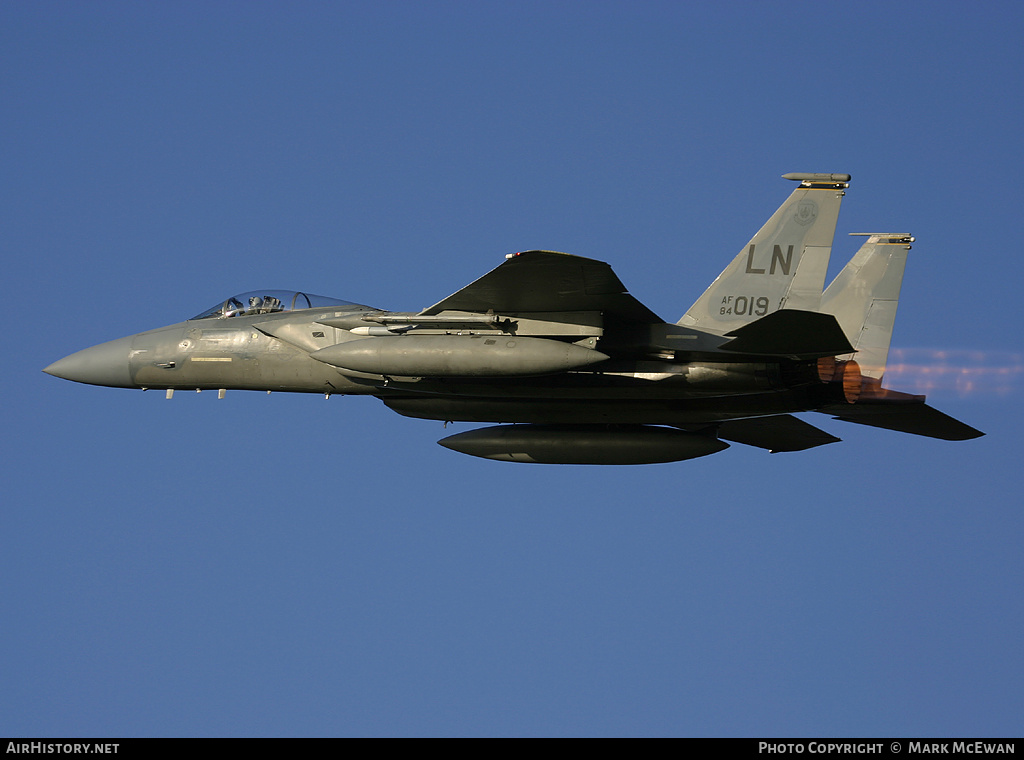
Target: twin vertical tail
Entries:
(783, 265)
(769, 301)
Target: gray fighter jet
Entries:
(575, 369)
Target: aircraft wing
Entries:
(547, 281)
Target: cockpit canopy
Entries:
(269, 302)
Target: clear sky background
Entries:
(286, 565)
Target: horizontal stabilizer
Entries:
(914, 418)
(790, 332)
(781, 432)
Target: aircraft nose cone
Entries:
(105, 364)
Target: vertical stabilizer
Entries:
(783, 265)
(863, 298)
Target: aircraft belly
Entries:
(608, 411)
(641, 381)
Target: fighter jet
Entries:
(573, 368)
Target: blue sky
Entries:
(286, 565)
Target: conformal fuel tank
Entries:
(458, 356)
(583, 444)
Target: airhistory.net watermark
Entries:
(60, 748)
